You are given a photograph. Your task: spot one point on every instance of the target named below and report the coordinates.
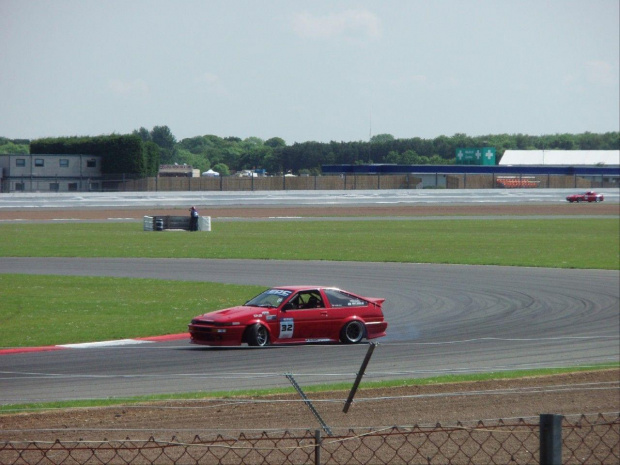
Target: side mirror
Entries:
(287, 306)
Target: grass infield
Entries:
(556, 243)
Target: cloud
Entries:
(347, 24)
(211, 82)
(137, 87)
(602, 73)
(209, 78)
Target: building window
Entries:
(54, 186)
(20, 162)
(72, 187)
(19, 186)
(39, 162)
(64, 163)
(91, 163)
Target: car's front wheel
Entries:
(352, 332)
(258, 336)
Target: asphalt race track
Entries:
(443, 319)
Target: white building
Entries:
(561, 157)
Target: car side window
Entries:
(342, 299)
(307, 299)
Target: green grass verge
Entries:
(63, 309)
(557, 243)
(13, 408)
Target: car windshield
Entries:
(269, 298)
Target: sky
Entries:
(309, 70)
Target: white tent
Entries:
(561, 157)
(210, 173)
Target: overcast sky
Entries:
(306, 70)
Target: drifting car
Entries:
(588, 196)
(293, 315)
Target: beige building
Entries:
(50, 173)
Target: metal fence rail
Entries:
(585, 440)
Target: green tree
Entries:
(163, 137)
(381, 138)
(222, 169)
(393, 157)
(9, 147)
(275, 142)
(198, 161)
(143, 133)
(152, 155)
(409, 157)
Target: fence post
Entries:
(317, 447)
(551, 439)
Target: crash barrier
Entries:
(586, 439)
(174, 223)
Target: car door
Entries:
(300, 318)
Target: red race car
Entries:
(589, 196)
(293, 315)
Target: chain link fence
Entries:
(588, 439)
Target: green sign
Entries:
(475, 156)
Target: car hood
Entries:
(232, 314)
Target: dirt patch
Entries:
(567, 394)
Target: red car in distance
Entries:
(293, 315)
(589, 196)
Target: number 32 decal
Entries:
(287, 325)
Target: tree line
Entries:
(142, 152)
(225, 154)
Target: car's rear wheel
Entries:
(258, 336)
(353, 332)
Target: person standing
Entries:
(193, 219)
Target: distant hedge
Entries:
(120, 153)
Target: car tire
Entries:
(353, 332)
(258, 336)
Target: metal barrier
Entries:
(585, 440)
(174, 223)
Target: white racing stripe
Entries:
(120, 342)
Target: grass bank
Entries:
(557, 243)
(66, 309)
